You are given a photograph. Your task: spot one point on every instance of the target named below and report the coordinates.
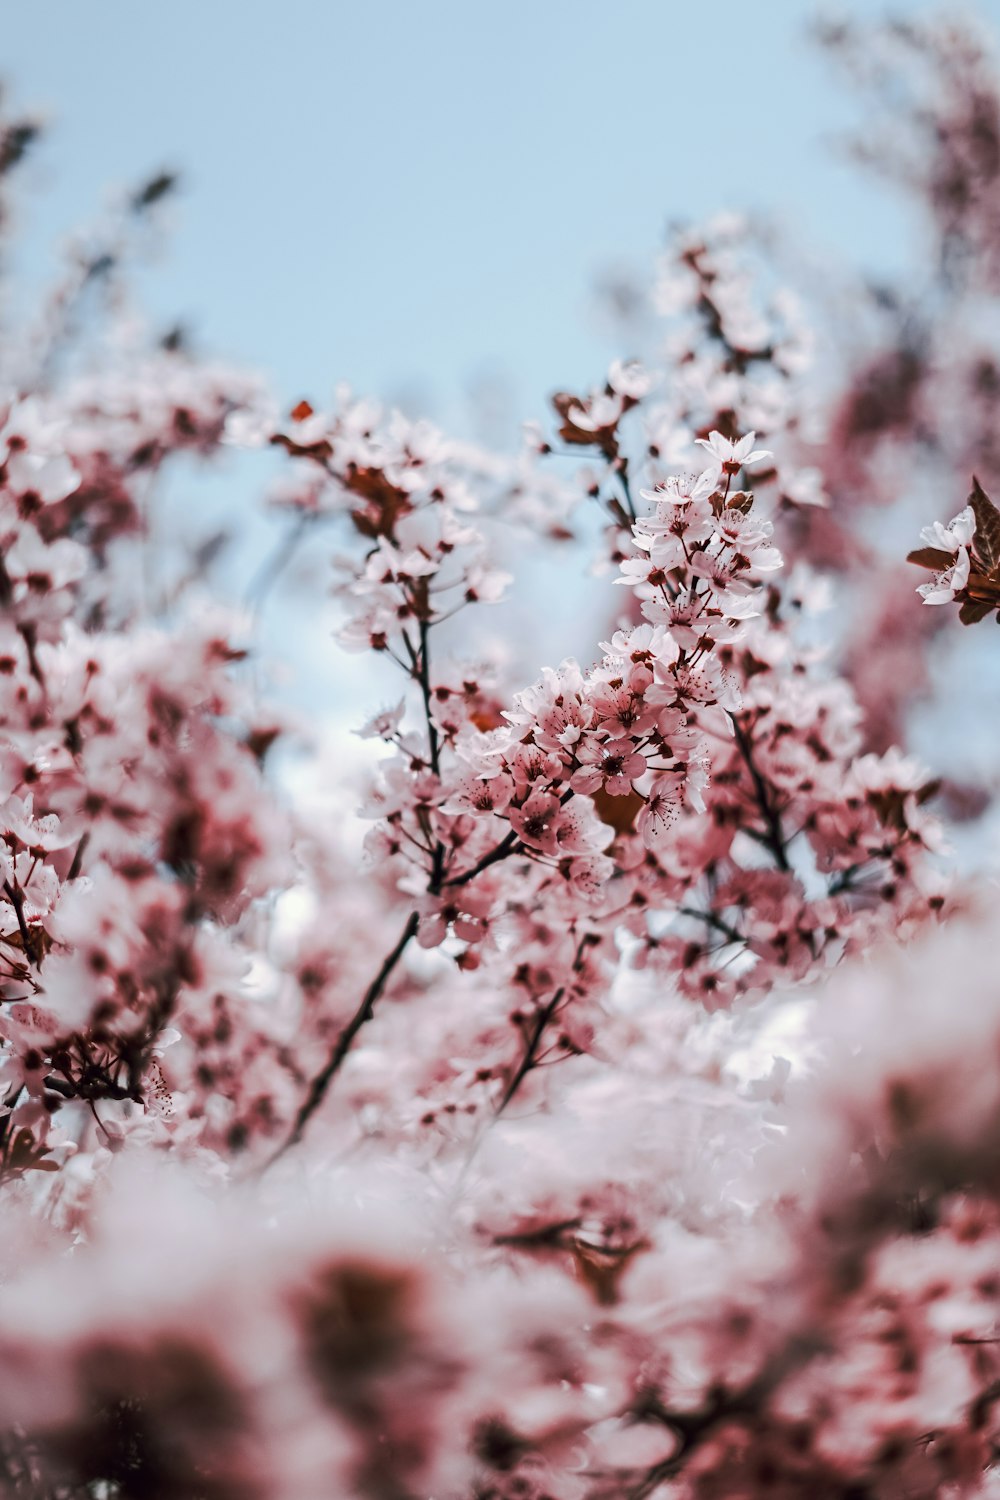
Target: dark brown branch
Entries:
(772, 818)
(712, 920)
(545, 1237)
(423, 670)
(692, 1428)
(32, 952)
(529, 1058)
(84, 1088)
(508, 845)
(627, 490)
(530, 1055)
(420, 666)
(29, 636)
(81, 849)
(319, 1085)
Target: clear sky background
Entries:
(415, 195)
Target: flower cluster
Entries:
(964, 557)
(132, 817)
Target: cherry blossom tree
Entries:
(618, 1116)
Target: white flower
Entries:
(958, 533)
(744, 532)
(731, 457)
(250, 428)
(385, 724)
(630, 378)
(891, 771)
(805, 487)
(679, 489)
(51, 478)
(945, 585)
(18, 818)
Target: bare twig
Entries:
(321, 1082)
(775, 836)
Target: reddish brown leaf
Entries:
(321, 449)
(987, 538)
(982, 589)
(931, 557)
(974, 610)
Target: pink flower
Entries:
(480, 794)
(607, 763)
(537, 822)
(621, 713)
(461, 911)
(589, 875)
(661, 810)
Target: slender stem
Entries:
(626, 488)
(508, 845)
(420, 671)
(712, 920)
(547, 1235)
(16, 898)
(530, 1054)
(81, 849)
(321, 1082)
(29, 636)
(420, 667)
(770, 814)
(529, 1058)
(92, 1086)
(273, 566)
(424, 670)
(844, 881)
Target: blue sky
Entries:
(414, 196)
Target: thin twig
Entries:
(627, 489)
(81, 849)
(508, 845)
(29, 636)
(770, 814)
(530, 1054)
(321, 1082)
(712, 920)
(16, 898)
(273, 566)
